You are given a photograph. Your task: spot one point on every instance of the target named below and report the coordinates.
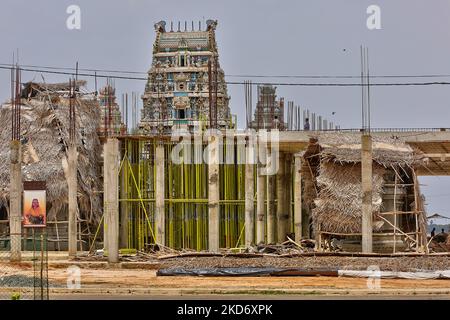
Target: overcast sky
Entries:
(260, 37)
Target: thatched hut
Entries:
(334, 161)
(44, 133)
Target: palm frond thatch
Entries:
(44, 132)
(337, 205)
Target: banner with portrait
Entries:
(34, 204)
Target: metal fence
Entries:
(40, 264)
(27, 279)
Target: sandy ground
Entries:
(141, 281)
(148, 279)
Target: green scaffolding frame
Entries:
(186, 198)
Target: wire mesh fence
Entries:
(26, 279)
(40, 265)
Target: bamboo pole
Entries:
(123, 204)
(395, 215)
(395, 228)
(422, 240)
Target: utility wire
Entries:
(338, 76)
(241, 83)
(247, 75)
(74, 69)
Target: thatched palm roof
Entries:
(44, 132)
(386, 151)
(338, 203)
(337, 206)
(31, 89)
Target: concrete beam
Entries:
(213, 194)
(72, 188)
(302, 137)
(295, 141)
(160, 216)
(111, 197)
(15, 203)
(366, 179)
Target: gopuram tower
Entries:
(186, 87)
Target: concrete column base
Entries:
(15, 207)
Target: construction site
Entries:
(293, 203)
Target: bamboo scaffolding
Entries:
(186, 198)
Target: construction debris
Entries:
(398, 263)
(245, 271)
(439, 243)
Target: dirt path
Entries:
(147, 279)
(144, 281)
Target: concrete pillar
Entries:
(249, 198)
(298, 198)
(111, 197)
(15, 206)
(106, 152)
(260, 206)
(288, 187)
(72, 185)
(282, 205)
(271, 211)
(261, 192)
(366, 179)
(160, 216)
(213, 194)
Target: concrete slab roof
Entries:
(435, 144)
